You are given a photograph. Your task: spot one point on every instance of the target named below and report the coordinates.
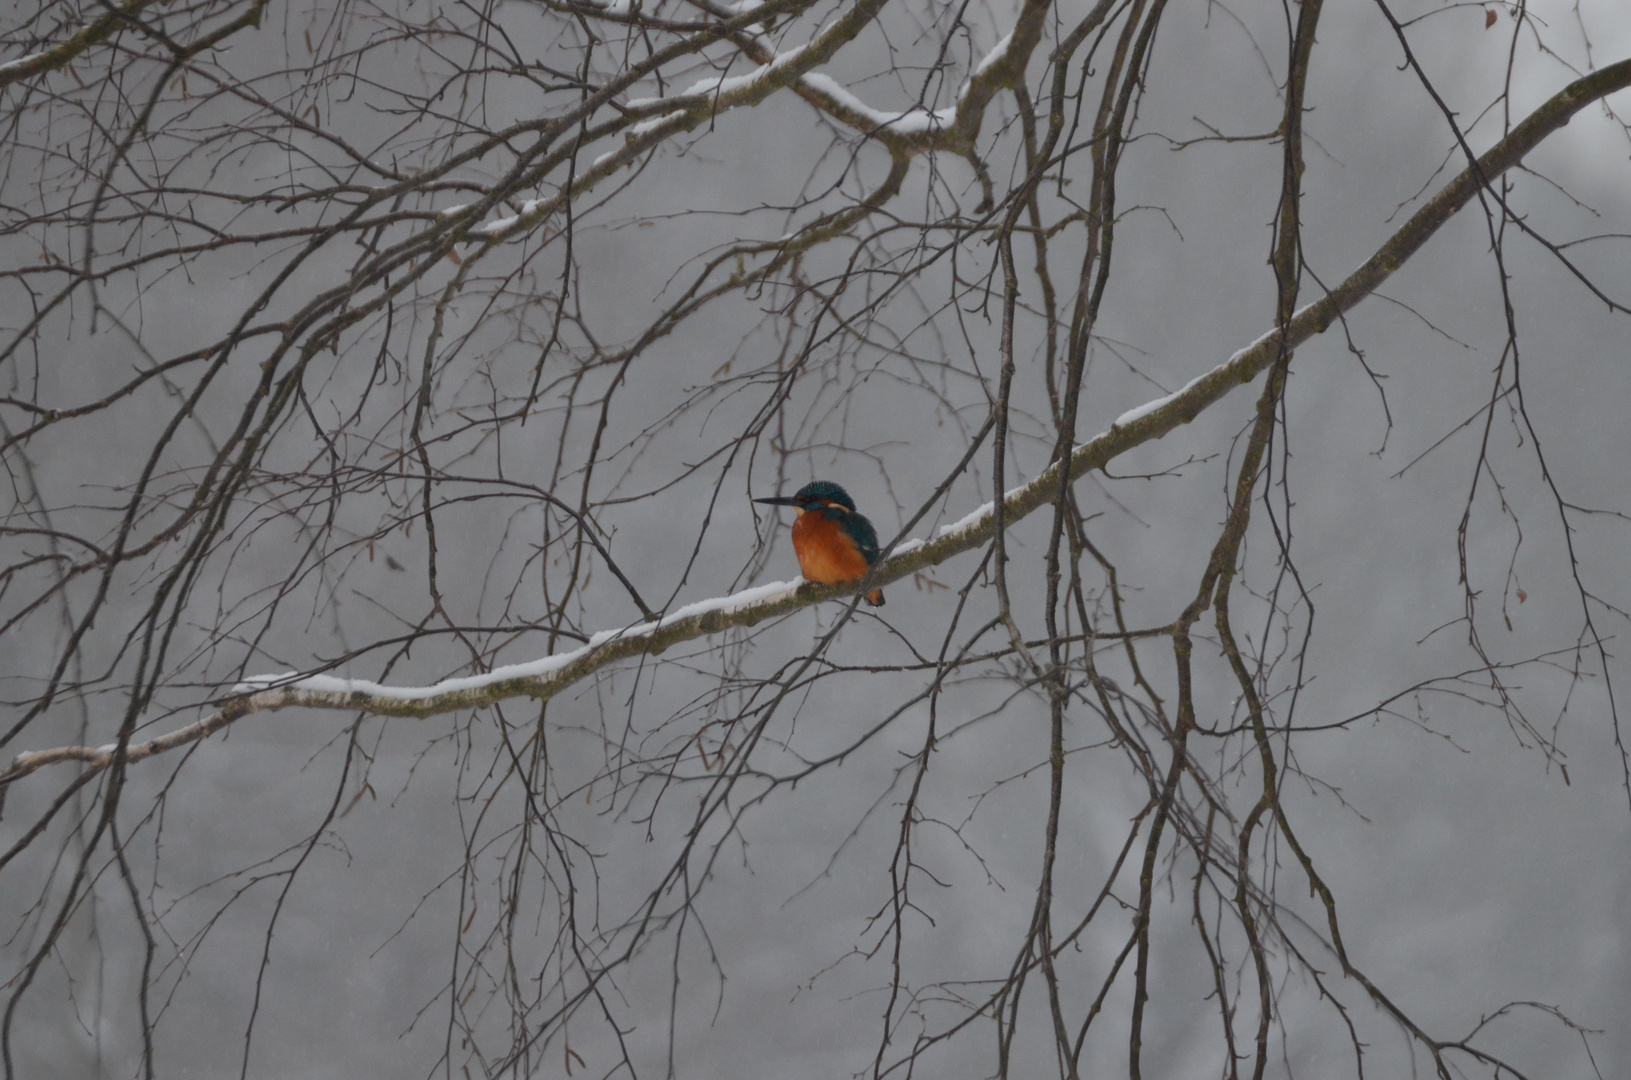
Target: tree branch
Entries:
(543, 678)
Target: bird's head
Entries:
(815, 495)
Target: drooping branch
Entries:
(543, 678)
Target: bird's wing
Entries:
(864, 535)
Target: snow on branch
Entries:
(117, 18)
(913, 130)
(62, 54)
(686, 111)
(859, 114)
(955, 127)
(544, 677)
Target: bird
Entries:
(835, 545)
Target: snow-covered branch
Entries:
(546, 676)
(904, 132)
(694, 108)
(62, 54)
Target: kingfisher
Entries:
(834, 544)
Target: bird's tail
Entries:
(875, 598)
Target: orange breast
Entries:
(826, 554)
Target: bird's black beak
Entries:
(779, 500)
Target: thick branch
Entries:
(543, 678)
(61, 55)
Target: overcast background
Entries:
(1470, 870)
